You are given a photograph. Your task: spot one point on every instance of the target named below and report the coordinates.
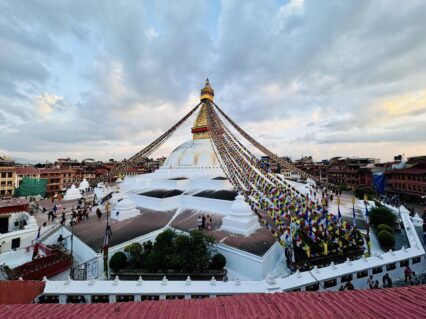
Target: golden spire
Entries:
(200, 130)
(207, 93)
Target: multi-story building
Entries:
(7, 181)
(352, 172)
(25, 171)
(58, 179)
(409, 180)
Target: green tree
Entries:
(135, 251)
(384, 227)
(218, 262)
(118, 261)
(386, 239)
(382, 215)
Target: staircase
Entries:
(50, 265)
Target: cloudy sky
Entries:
(102, 79)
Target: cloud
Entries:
(96, 79)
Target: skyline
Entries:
(90, 80)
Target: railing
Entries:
(50, 265)
(48, 233)
(86, 270)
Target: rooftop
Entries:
(92, 232)
(406, 302)
(19, 292)
(257, 243)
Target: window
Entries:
(377, 270)
(404, 263)
(199, 296)
(9, 175)
(175, 297)
(390, 267)
(416, 260)
(16, 243)
(125, 298)
(100, 299)
(362, 274)
(330, 283)
(313, 287)
(295, 290)
(346, 278)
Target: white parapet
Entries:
(241, 219)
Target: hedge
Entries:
(218, 262)
(384, 227)
(382, 215)
(386, 239)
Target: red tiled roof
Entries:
(406, 302)
(55, 170)
(29, 170)
(19, 292)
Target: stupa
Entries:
(192, 172)
(72, 193)
(124, 209)
(241, 219)
(84, 185)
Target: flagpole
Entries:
(106, 270)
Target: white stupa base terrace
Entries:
(241, 219)
(124, 208)
(72, 193)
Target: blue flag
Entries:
(353, 213)
(339, 214)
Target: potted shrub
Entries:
(386, 239)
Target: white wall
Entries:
(156, 204)
(206, 204)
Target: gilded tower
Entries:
(200, 130)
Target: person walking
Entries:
(407, 273)
(98, 213)
(63, 217)
(387, 281)
(370, 281)
(203, 222)
(349, 285)
(376, 285)
(209, 222)
(199, 222)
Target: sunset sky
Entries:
(102, 79)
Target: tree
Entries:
(384, 227)
(178, 252)
(118, 261)
(135, 251)
(382, 215)
(386, 239)
(218, 262)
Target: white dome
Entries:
(194, 153)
